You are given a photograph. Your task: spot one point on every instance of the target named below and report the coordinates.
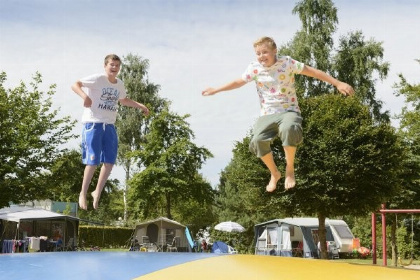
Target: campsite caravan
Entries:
(298, 237)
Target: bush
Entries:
(105, 236)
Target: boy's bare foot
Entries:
(290, 180)
(95, 200)
(273, 182)
(82, 201)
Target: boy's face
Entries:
(112, 68)
(266, 56)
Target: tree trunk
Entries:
(168, 206)
(394, 247)
(322, 235)
(127, 177)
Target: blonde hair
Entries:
(266, 40)
(112, 57)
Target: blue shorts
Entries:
(99, 143)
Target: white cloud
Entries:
(190, 45)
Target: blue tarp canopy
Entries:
(220, 247)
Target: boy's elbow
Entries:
(76, 85)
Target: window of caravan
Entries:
(343, 231)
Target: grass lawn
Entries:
(378, 261)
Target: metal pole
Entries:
(383, 211)
(373, 238)
(384, 255)
(407, 211)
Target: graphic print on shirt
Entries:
(275, 84)
(109, 99)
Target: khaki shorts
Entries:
(287, 126)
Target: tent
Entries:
(219, 247)
(299, 237)
(18, 222)
(162, 231)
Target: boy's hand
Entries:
(208, 92)
(345, 89)
(87, 102)
(145, 110)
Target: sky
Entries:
(190, 45)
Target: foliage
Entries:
(241, 196)
(355, 61)
(347, 163)
(132, 125)
(66, 177)
(171, 175)
(410, 133)
(359, 61)
(64, 183)
(313, 43)
(104, 236)
(31, 139)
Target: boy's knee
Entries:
(292, 135)
(259, 147)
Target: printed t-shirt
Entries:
(275, 84)
(105, 96)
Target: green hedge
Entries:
(105, 237)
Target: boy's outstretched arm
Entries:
(131, 103)
(229, 86)
(344, 88)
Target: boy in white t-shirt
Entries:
(101, 94)
(280, 112)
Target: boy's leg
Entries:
(291, 136)
(275, 173)
(87, 177)
(91, 151)
(108, 157)
(103, 177)
(264, 132)
(290, 181)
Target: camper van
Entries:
(298, 237)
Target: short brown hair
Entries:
(111, 57)
(266, 40)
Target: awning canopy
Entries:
(20, 213)
(164, 222)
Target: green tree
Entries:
(359, 61)
(171, 163)
(409, 131)
(313, 44)
(66, 177)
(64, 182)
(241, 195)
(355, 61)
(348, 163)
(31, 139)
(131, 123)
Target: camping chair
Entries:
(232, 250)
(297, 250)
(144, 244)
(70, 245)
(173, 246)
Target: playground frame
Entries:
(383, 211)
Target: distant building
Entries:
(67, 208)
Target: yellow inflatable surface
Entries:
(268, 267)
